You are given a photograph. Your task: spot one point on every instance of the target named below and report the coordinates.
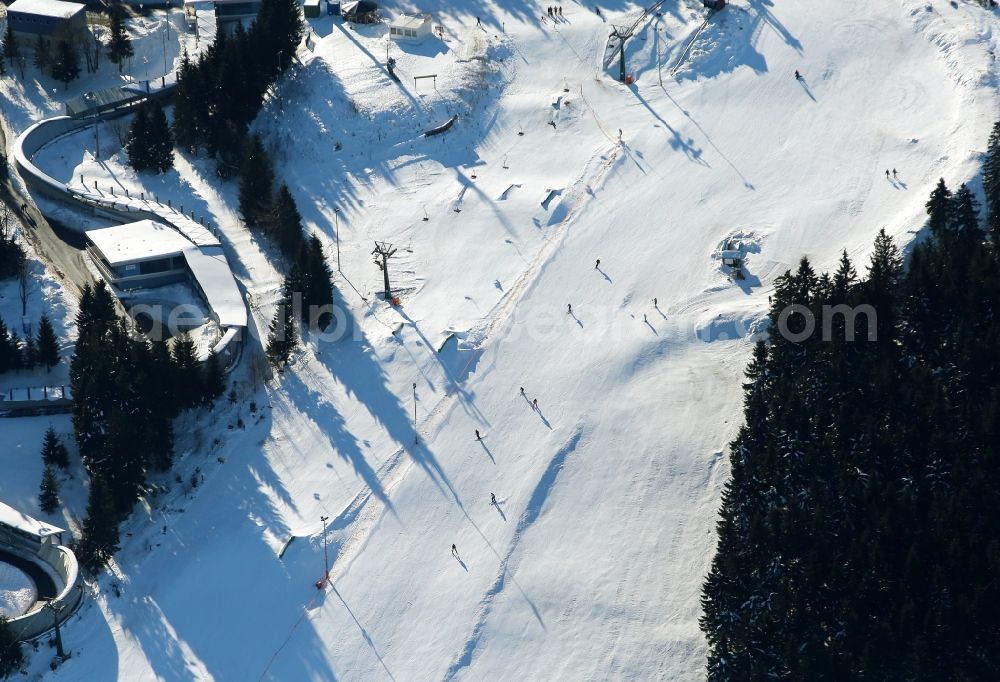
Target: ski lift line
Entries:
(291, 632)
(630, 31)
(683, 56)
(593, 113)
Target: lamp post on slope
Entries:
(326, 561)
(336, 232)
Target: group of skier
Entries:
(555, 11)
(534, 401)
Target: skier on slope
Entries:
(598, 264)
(493, 499)
(478, 437)
(454, 550)
(569, 308)
(886, 173)
(894, 173)
(798, 76)
(534, 404)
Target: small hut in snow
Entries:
(410, 27)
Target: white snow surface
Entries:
(591, 565)
(17, 591)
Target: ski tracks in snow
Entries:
(508, 563)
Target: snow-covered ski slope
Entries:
(591, 566)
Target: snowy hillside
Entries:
(591, 563)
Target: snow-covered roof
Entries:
(58, 9)
(731, 253)
(136, 242)
(411, 21)
(211, 271)
(21, 521)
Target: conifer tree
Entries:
(16, 351)
(138, 144)
(939, 209)
(287, 223)
(319, 284)
(93, 368)
(48, 495)
(125, 469)
(965, 216)
(844, 279)
(185, 123)
(161, 143)
(53, 451)
(66, 66)
(7, 349)
(47, 344)
(283, 331)
(29, 354)
(120, 45)
(11, 47)
(11, 655)
(213, 380)
(187, 373)
(43, 56)
(100, 539)
(282, 27)
(991, 182)
(256, 184)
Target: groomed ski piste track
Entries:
(590, 566)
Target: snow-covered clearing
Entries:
(590, 565)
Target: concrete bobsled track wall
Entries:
(61, 563)
(42, 133)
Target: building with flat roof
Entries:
(148, 254)
(51, 19)
(138, 255)
(19, 529)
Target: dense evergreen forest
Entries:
(858, 535)
(127, 392)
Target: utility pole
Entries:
(336, 232)
(326, 561)
(55, 616)
(165, 36)
(386, 251)
(659, 72)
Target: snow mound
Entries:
(17, 591)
